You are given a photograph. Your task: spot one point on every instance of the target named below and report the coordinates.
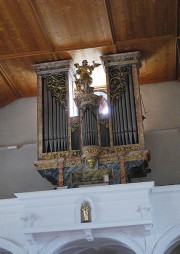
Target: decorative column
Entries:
(60, 169)
(122, 171)
(88, 105)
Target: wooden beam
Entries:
(101, 45)
(111, 27)
(136, 41)
(43, 29)
(46, 52)
(9, 82)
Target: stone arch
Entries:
(167, 240)
(11, 247)
(57, 244)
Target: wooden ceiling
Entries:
(34, 31)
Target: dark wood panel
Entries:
(72, 23)
(178, 59)
(178, 18)
(142, 18)
(19, 29)
(158, 59)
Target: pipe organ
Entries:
(92, 147)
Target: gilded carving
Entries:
(126, 148)
(46, 165)
(118, 81)
(73, 163)
(83, 77)
(85, 212)
(54, 155)
(116, 149)
(91, 176)
(134, 157)
(74, 127)
(105, 123)
(57, 85)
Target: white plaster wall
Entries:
(18, 126)
(28, 222)
(18, 122)
(162, 104)
(17, 172)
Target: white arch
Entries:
(59, 242)
(167, 240)
(10, 246)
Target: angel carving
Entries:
(83, 77)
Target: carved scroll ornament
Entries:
(57, 85)
(118, 81)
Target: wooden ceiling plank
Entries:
(38, 53)
(135, 41)
(109, 18)
(178, 41)
(44, 31)
(9, 82)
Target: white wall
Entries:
(127, 218)
(162, 131)
(18, 122)
(162, 106)
(18, 126)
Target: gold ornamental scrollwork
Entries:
(73, 163)
(108, 160)
(74, 127)
(105, 123)
(118, 78)
(55, 155)
(126, 148)
(57, 85)
(135, 157)
(46, 165)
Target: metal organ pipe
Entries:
(133, 110)
(128, 111)
(45, 121)
(58, 125)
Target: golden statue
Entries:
(85, 212)
(83, 77)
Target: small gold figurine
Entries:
(83, 77)
(85, 212)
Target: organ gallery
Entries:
(92, 147)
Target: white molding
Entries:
(167, 240)
(10, 246)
